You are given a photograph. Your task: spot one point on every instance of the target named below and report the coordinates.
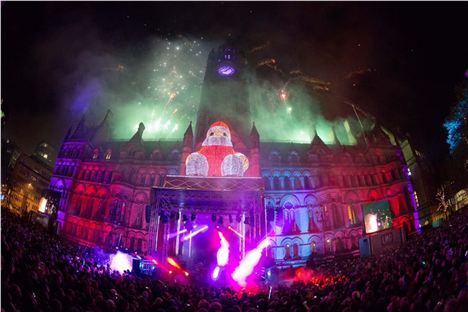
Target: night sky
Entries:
(401, 62)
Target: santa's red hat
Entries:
(219, 123)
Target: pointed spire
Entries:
(254, 131)
(101, 131)
(80, 129)
(67, 136)
(317, 145)
(314, 134)
(106, 117)
(254, 136)
(317, 140)
(136, 138)
(189, 131)
(188, 136)
(81, 123)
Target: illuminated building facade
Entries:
(312, 194)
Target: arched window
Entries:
(266, 181)
(276, 183)
(175, 155)
(297, 183)
(274, 157)
(95, 153)
(78, 206)
(108, 154)
(156, 155)
(319, 180)
(287, 252)
(287, 183)
(89, 208)
(113, 210)
(329, 246)
(295, 250)
(313, 247)
(307, 183)
(293, 157)
(338, 220)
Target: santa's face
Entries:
(218, 135)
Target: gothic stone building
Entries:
(313, 193)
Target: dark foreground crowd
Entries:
(41, 272)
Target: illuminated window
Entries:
(108, 154)
(416, 198)
(409, 171)
(314, 247)
(351, 215)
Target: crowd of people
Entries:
(42, 272)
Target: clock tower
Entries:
(224, 94)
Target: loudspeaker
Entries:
(136, 266)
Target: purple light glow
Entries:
(235, 232)
(248, 264)
(172, 235)
(121, 262)
(223, 252)
(203, 228)
(215, 273)
(226, 70)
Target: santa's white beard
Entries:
(217, 140)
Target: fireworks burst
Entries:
(172, 85)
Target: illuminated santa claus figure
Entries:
(217, 156)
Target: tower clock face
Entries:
(226, 70)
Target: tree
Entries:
(456, 125)
(443, 205)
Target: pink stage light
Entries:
(121, 262)
(235, 232)
(248, 264)
(222, 256)
(172, 262)
(172, 235)
(215, 274)
(223, 252)
(203, 228)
